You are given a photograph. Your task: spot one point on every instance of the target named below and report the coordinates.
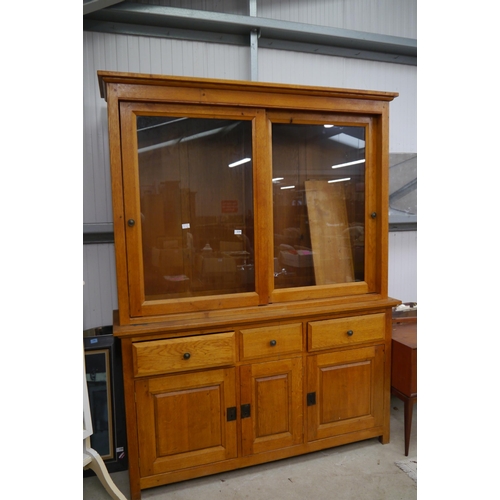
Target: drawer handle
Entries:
(350, 333)
(272, 343)
(186, 355)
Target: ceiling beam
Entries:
(90, 6)
(188, 24)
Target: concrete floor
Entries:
(358, 471)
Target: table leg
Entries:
(408, 418)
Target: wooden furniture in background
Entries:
(404, 368)
(229, 358)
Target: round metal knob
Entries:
(272, 343)
(373, 215)
(131, 222)
(186, 355)
(350, 332)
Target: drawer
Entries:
(271, 341)
(341, 332)
(188, 353)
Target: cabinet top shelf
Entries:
(105, 77)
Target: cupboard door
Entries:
(271, 410)
(345, 392)
(183, 422)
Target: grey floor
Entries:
(360, 471)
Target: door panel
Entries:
(274, 392)
(182, 420)
(348, 388)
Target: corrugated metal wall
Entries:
(99, 292)
(185, 58)
(403, 265)
(385, 17)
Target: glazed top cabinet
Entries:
(229, 196)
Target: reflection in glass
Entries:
(196, 203)
(318, 203)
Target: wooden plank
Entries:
(328, 225)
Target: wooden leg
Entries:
(408, 418)
(135, 490)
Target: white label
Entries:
(186, 226)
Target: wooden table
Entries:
(404, 368)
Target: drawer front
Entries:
(188, 353)
(271, 341)
(341, 332)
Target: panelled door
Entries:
(271, 410)
(186, 420)
(345, 391)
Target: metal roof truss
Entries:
(250, 31)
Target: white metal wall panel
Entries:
(96, 178)
(315, 69)
(403, 265)
(99, 293)
(384, 17)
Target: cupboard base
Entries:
(242, 462)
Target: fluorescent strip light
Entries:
(173, 142)
(348, 164)
(276, 179)
(287, 187)
(340, 180)
(348, 140)
(203, 134)
(239, 162)
(161, 124)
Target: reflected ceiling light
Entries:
(239, 162)
(287, 187)
(328, 126)
(276, 179)
(174, 142)
(204, 134)
(340, 180)
(348, 164)
(161, 124)
(348, 140)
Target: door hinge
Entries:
(245, 411)
(311, 398)
(231, 414)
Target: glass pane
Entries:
(196, 203)
(98, 383)
(319, 204)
